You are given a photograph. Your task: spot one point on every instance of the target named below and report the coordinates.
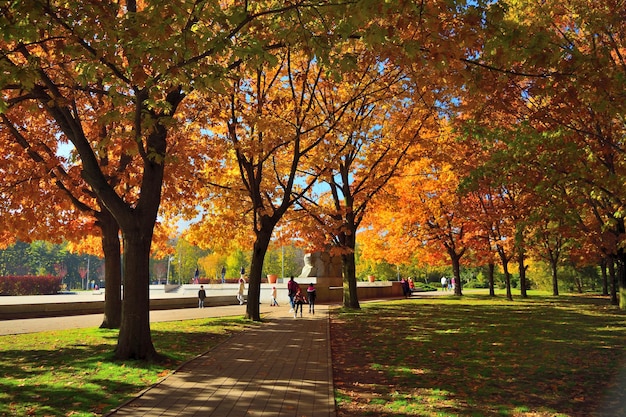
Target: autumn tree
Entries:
(44, 198)
(271, 123)
(364, 151)
(143, 59)
(567, 83)
(424, 212)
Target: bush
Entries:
(476, 284)
(425, 287)
(29, 285)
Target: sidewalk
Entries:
(283, 368)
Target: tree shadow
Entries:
(547, 355)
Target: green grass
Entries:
(72, 373)
(437, 356)
(479, 356)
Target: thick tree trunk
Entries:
(507, 280)
(112, 271)
(347, 242)
(522, 273)
(492, 289)
(613, 278)
(507, 274)
(621, 278)
(350, 297)
(605, 278)
(261, 244)
(456, 271)
(555, 282)
(137, 224)
(134, 340)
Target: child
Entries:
(274, 302)
(311, 294)
(201, 296)
(240, 291)
(298, 300)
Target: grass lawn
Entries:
(430, 356)
(71, 372)
(478, 356)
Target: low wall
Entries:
(329, 290)
(30, 311)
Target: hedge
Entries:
(29, 285)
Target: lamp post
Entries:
(87, 280)
(167, 277)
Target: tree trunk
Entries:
(456, 271)
(507, 274)
(134, 340)
(613, 278)
(522, 273)
(555, 282)
(350, 297)
(605, 278)
(347, 242)
(492, 290)
(261, 244)
(621, 278)
(137, 224)
(112, 269)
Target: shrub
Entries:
(476, 284)
(29, 285)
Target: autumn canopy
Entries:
(459, 132)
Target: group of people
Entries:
(296, 297)
(240, 290)
(448, 284)
(407, 286)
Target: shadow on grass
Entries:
(73, 372)
(476, 356)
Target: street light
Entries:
(169, 261)
(87, 280)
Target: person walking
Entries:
(240, 291)
(201, 296)
(292, 288)
(298, 301)
(311, 295)
(274, 302)
(223, 273)
(444, 284)
(406, 289)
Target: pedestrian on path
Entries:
(311, 295)
(274, 302)
(223, 273)
(444, 284)
(406, 289)
(298, 301)
(292, 288)
(240, 291)
(201, 297)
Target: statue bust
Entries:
(321, 264)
